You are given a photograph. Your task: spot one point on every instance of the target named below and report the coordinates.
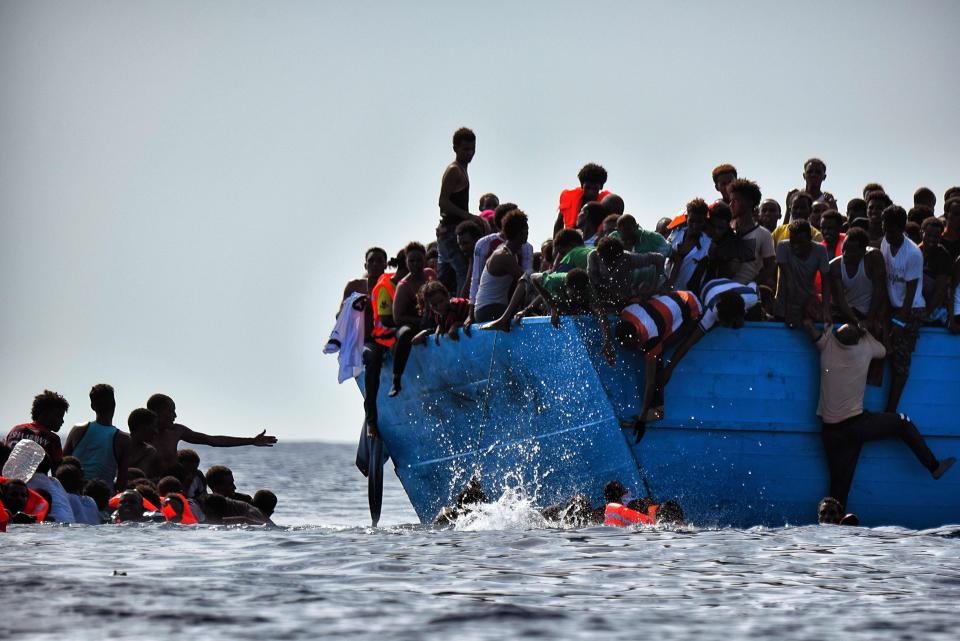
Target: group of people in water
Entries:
(860, 282)
(102, 474)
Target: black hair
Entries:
(398, 260)
(799, 226)
(577, 278)
(608, 249)
(216, 474)
(858, 205)
(595, 213)
(500, 211)
(4, 454)
(471, 493)
(857, 235)
(140, 418)
(834, 215)
(670, 512)
(613, 204)
(70, 477)
(592, 173)
(414, 246)
(265, 501)
(462, 135)
(99, 491)
(913, 232)
(919, 213)
(375, 250)
(815, 161)
(148, 490)
(134, 474)
(721, 210)
(879, 195)
(748, 190)
(933, 221)
(469, 228)
(719, 170)
(797, 196)
(614, 491)
(48, 400)
(188, 456)
(568, 237)
(169, 485)
(433, 287)
(774, 201)
(486, 197)
(698, 206)
(514, 224)
(895, 215)
(158, 402)
(872, 187)
(101, 397)
(950, 204)
(924, 193)
(731, 309)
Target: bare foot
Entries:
(500, 325)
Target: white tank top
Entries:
(859, 288)
(493, 290)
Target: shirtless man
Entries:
(453, 202)
(405, 314)
(169, 434)
(374, 264)
(143, 431)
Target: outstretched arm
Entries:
(199, 438)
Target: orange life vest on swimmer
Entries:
(4, 517)
(620, 515)
(37, 506)
(384, 335)
(570, 205)
(186, 518)
(114, 503)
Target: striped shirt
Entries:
(710, 295)
(657, 318)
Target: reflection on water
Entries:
(500, 575)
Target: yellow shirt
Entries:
(783, 233)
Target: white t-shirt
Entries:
(907, 265)
(484, 249)
(843, 374)
(690, 261)
(763, 248)
(711, 294)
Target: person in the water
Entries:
(169, 434)
(103, 450)
(143, 455)
(471, 496)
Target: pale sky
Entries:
(185, 187)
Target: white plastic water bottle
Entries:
(24, 460)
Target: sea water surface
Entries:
(324, 573)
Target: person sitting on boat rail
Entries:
(169, 434)
(845, 355)
(725, 303)
(406, 312)
(502, 270)
(469, 234)
(651, 327)
(447, 315)
(592, 179)
(374, 264)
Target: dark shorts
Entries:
(903, 341)
(489, 313)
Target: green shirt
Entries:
(576, 258)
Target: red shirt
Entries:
(457, 313)
(48, 440)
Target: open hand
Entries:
(262, 440)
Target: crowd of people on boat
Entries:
(871, 273)
(102, 474)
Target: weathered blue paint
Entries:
(739, 444)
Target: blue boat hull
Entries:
(739, 445)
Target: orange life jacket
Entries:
(570, 205)
(621, 516)
(37, 506)
(114, 503)
(818, 286)
(4, 517)
(169, 513)
(384, 335)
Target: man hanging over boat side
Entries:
(845, 355)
